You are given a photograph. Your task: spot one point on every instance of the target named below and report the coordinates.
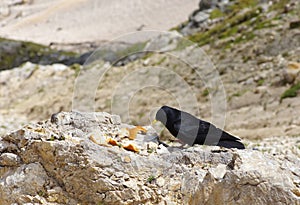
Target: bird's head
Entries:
(161, 115)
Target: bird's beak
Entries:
(154, 121)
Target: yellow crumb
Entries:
(133, 131)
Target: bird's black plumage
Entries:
(192, 130)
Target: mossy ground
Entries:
(240, 21)
(14, 53)
(216, 13)
(228, 28)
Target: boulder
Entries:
(295, 24)
(55, 162)
(200, 19)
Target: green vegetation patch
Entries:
(261, 24)
(205, 92)
(260, 82)
(177, 28)
(151, 178)
(161, 60)
(245, 37)
(227, 28)
(183, 43)
(216, 13)
(76, 67)
(279, 5)
(42, 193)
(241, 4)
(237, 94)
(291, 92)
(15, 53)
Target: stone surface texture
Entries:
(55, 162)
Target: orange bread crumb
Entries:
(131, 147)
(133, 131)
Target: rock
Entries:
(164, 42)
(119, 174)
(200, 19)
(16, 2)
(131, 184)
(9, 159)
(174, 185)
(162, 149)
(28, 179)
(15, 53)
(291, 73)
(210, 4)
(62, 171)
(218, 172)
(296, 191)
(295, 24)
(160, 182)
(114, 52)
(287, 42)
(126, 159)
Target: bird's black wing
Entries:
(192, 130)
(187, 127)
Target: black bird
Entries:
(192, 130)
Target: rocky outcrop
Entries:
(68, 160)
(56, 162)
(14, 53)
(200, 19)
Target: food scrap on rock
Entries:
(126, 138)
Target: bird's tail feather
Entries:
(226, 136)
(231, 144)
